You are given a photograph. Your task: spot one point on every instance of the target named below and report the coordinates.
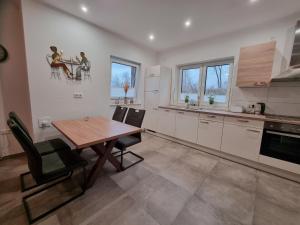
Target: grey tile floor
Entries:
(175, 185)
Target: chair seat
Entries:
(60, 163)
(127, 141)
(46, 147)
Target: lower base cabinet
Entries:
(210, 134)
(186, 126)
(151, 119)
(166, 122)
(241, 141)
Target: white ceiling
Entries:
(136, 19)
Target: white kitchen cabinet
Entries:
(166, 122)
(151, 119)
(157, 92)
(152, 83)
(210, 134)
(152, 100)
(243, 141)
(186, 126)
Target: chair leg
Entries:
(122, 152)
(27, 208)
(23, 188)
(129, 152)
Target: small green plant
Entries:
(211, 99)
(187, 99)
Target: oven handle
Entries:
(283, 134)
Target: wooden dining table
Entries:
(98, 133)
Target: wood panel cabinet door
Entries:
(210, 134)
(186, 126)
(166, 122)
(256, 65)
(241, 141)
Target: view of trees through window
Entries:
(215, 83)
(120, 75)
(190, 83)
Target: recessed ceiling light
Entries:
(253, 1)
(84, 8)
(151, 37)
(187, 23)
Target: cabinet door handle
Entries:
(211, 116)
(205, 122)
(244, 121)
(180, 112)
(253, 131)
(155, 108)
(166, 110)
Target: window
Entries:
(123, 72)
(190, 78)
(204, 81)
(216, 83)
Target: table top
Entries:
(86, 132)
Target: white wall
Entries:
(45, 26)
(14, 92)
(279, 100)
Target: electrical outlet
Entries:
(77, 95)
(44, 122)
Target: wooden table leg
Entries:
(104, 153)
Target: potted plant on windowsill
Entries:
(186, 101)
(125, 87)
(211, 99)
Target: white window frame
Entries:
(201, 88)
(115, 59)
(181, 68)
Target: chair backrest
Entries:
(119, 113)
(13, 116)
(33, 156)
(135, 117)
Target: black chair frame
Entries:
(128, 152)
(47, 180)
(24, 199)
(138, 123)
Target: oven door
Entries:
(280, 145)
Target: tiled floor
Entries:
(174, 185)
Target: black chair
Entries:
(119, 113)
(43, 147)
(55, 167)
(135, 118)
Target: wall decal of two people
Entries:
(58, 61)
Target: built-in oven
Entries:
(281, 141)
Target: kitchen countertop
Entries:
(281, 119)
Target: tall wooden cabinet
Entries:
(256, 65)
(158, 83)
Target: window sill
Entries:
(126, 105)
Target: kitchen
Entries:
(150, 112)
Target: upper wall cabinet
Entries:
(256, 65)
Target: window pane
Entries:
(217, 82)
(190, 83)
(120, 75)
